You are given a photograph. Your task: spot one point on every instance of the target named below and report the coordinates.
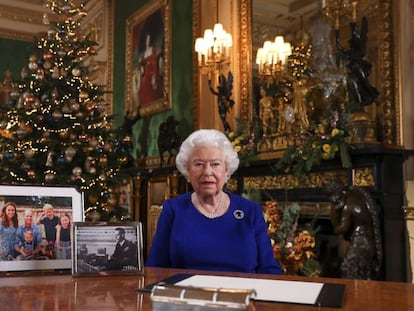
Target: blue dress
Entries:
(236, 241)
(7, 242)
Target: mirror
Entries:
(255, 21)
(270, 18)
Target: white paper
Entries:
(267, 290)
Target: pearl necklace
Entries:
(214, 214)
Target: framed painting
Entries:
(36, 225)
(148, 58)
(124, 192)
(105, 248)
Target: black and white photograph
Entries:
(36, 226)
(107, 248)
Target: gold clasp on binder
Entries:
(170, 297)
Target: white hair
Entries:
(207, 137)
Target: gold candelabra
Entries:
(272, 58)
(334, 10)
(214, 50)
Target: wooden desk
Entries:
(62, 292)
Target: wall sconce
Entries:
(272, 57)
(213, 50)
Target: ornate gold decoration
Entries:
(363, 177)
(153, 214)
(408, 212)
(232, 184)
(173, 179)
(245, 61)
(388, 88)
(312, 180)
(21, 15)
(387, 72)
(136, 196)
(196, 83)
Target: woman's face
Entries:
(207, 170)
(10, 211)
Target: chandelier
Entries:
(272, 58)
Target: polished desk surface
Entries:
(64, 292)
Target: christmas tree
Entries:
(55, 130)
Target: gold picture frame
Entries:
(148, 58)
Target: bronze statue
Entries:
(361, 92)
(168, 139)
(267, 113)
(354, 216)
(223, 93)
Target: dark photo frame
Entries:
(148, 58)
(107, 248)
(29, 232)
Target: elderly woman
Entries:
(210, 229)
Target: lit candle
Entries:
(198, 47)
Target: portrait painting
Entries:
(107, 248)
(36, 226)
(147, 69)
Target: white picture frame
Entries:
(65, 200)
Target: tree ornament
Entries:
(47, 65)
(33, 66)
(83, 95)
(123, 160)
(40, 75)
(77, 171)
(9, 155)
(64, 134)
(70, 152)
(76, 72)
(33, 58)
(60, 159)
(89, 106)
(54, 93)
(30, 99)
(31, 174)
(55, 73)
(50, 176)
(29, 153)
(25, 166)
(49, 160)
(47, 56)
(24, 74)
(57, 114)
(65, 109)
(103, 160)
(112, 201)
(93, 142)
(51, 33)
(74, 106)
